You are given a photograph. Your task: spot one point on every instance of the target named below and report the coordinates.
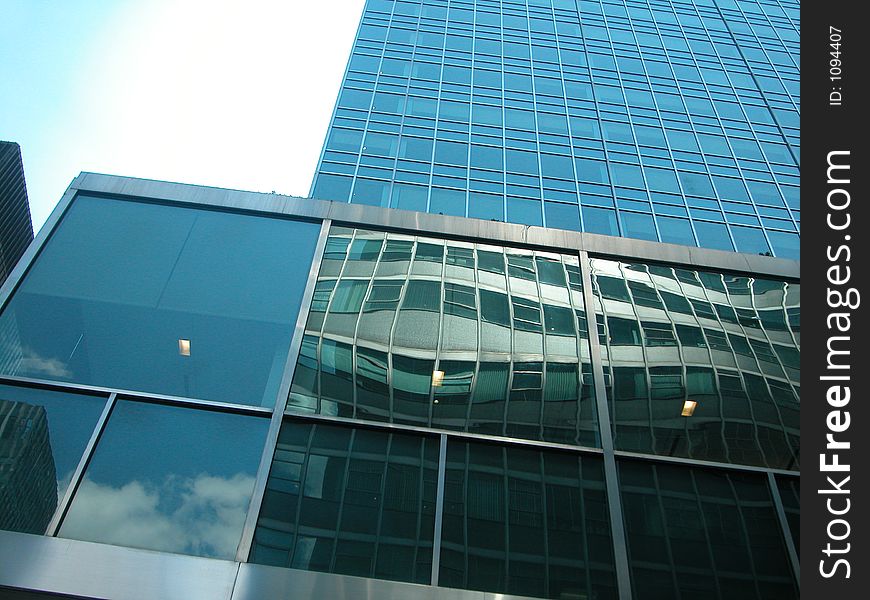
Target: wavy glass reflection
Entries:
(729, 344)
(526, 522)
(170, 479)
(448, 334)
(351, 501)
(702, 533)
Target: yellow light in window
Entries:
(184, 347)
(437, 378)
(689, 408)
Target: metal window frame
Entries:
(249, 577)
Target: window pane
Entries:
(42, 436)
(443, 349)
(525, 522)
(141, 306)
(350, 501)
(705, 532)
(158, 481)
(696, 388)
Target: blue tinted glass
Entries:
(371, 191)
(638, 225)
(562, 216)
(42, 436)
(409, 197)
(485, 206)
(600, 220)
(750, 240)
(141, 306)
(415, 148)
(487, 157)
(713, 235)
(527, 212)
(332, 187)
(447, 202)
(159, 481)
(785, 245)
(675, 231)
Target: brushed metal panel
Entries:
(256, 582)
(56, 565)
(439, 225)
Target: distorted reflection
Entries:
(157, 481)
(350, 501)
(42, 436)
(728, 344)
(448, 334)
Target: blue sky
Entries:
(212, 92)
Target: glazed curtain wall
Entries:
(435, 420)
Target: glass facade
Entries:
(702, 533)
(380, 400)
(353, 501)
(728, 344)
(207, 300)
(672, 121)
(454, 335)
(158, 481)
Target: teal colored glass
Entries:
(162, 299)
(352, 501)
(159, 480)
(42, 436)
(702, 532)
(525, 522)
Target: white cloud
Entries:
(31, 363)
(202, 515)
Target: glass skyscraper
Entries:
(235, 395)
(661, 120)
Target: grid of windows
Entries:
(433, 422)
(453, 335)
(728, 344)
(671, 121)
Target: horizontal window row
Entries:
(366, 502)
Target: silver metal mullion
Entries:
(141, 396)
(614, 501)
(439, 508)
(794, 560)
(71, 489)
(16, 276)
(247, 539)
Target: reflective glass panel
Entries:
(790, 494)
(526, 522)
(702, 533)
(352, 501)
(169, 478)
(42, 436)
(164, 299)
(437, 328)
(699, 364)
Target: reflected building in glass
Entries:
(28, 490)
(208, 393)
(235, 395)
(673, 121)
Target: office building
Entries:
(577, 377)
(16, 231)
(364, 402)
(669, 120)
